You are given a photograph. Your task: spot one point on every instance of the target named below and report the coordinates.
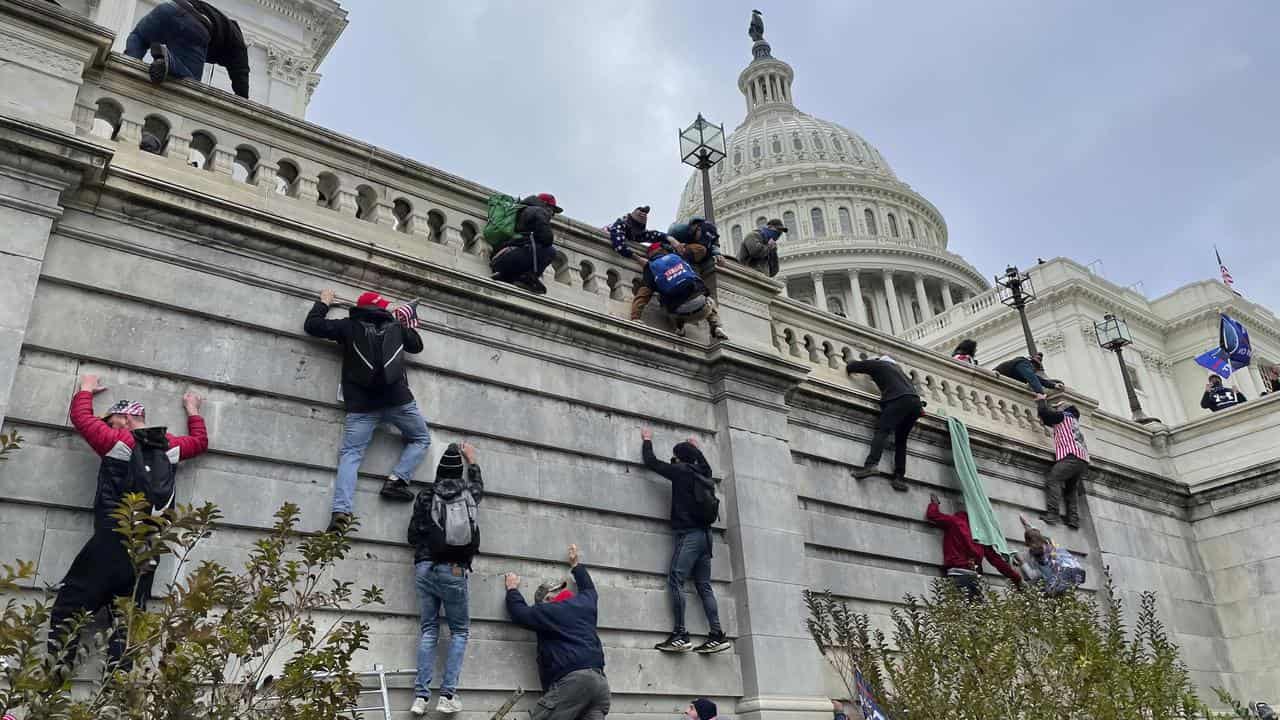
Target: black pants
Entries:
(101, 573)
(513, 263)
(1064, 477)
(897, 416)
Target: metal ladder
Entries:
(381, 691)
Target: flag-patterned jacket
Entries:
(1068, 438)
(116, 446)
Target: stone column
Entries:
(947, 302)
(782, 672)
(855, 289)
(922, 297)
(891, 297)
(819, 291)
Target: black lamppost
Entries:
(1113, 334)
(702, 146)
(1016, 292)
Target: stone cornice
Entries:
(948, 260)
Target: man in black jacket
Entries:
(442, 566)
(375, 389)
(570, 655)
(1218, 396)
(522, 259)
(692, 554)
(183, 35)
(900, 408)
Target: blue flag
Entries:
(1233, 340)
(1215, 361)
(867, 702)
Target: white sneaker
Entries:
(448, 706)
(419, 707)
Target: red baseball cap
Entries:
(550, 199)
(372, 298)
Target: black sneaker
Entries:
(159, 70)
(863, 471)
(339, 521)
(677, 643)
(396, 489)
(899, 483)
(714, 644)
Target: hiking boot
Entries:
(716, 642)
(718, 333)
(339, 521)
(448, 705)
(899, 483)
(677, 643)
(396, 489)
(860, 472)
(159, 70)
(532, 283)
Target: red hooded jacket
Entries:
(960, 550)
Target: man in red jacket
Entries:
(962, 556)
(102, 571)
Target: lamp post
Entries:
(1017, 292)
(702, 146)
(1113, 334)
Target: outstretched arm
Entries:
(318, 325)
(999, 563)
(934, 514)
(100, 436)
(1048, 415)
(651, 461)
(196, 441)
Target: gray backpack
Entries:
(453, 527)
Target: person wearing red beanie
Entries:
(374, 390)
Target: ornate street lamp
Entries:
(1113, 334)
(702, 146)
(1016, 292)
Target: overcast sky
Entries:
(1137, 133)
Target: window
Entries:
(819, 224)
(835, 143)
(245, 166)
(286, 179)
(846, 221)
(736, 234)
(737, 157)
(911, 228)
(870, 218)
(789, 220)
(756, 152)
(817, 142)
(893, 225)
(107, 120)
(835, 305)
(402, 211)
(777, 145)
(761, 221)
(869, 309)
(796, 142)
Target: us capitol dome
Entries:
(862, 243)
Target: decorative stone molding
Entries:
(17, 50)
(1052, 343)
(313, 80)
(286, 66)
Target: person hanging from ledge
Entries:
(900, 408)
(962, 556)
(374, 389)
(1218, 396)
(698, 242)
(1072, 460)
(182, 35)
(680, 291)
(1030, 371)
(759, 249)
(135, 458)
(1043, 563)
(522, 258)
(966, 352)
(694, 508)
(631, 228)
(570, 655)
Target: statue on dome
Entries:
(756, 28)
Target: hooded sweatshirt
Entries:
(357, 397)
(888, 377)
(690, 464)
(226, 46)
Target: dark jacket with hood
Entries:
(532, 223)
(690, 464)
(387, 389)
(421, 522)
(567, 639)
(888, 377)
(226, 46)
(1009, 369)
(671, 301)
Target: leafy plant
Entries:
(210, 646)
(1016, 655)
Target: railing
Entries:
(987, 303)
(791, 248)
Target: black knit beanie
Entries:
(706, 709)
(450, 467)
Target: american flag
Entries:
(1226, 274)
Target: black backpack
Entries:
(150, 470)
(704, 497)
(379, 353)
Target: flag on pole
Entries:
(867, 701)
(1233, 340)
(1226, 274)
(1215, 361)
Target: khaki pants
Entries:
(643, 295)
(709, 312)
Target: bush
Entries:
(206, 648)
(1016, 655)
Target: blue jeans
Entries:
(692, 557)
(357, 432)
(438, 586)
(1027, 373)
(184, 36)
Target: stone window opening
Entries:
(870, 218)
(777, 146)
(756, 152)
(435, 223)
(761, 221)
(911, 229)
(736, 235)
(797, 143)
(789, 221)
(893, 225)
(560, 266)
(366, 203)
(835, 305)
(869, 309)
(402, 211)
(155, 135)
(587, 272)
(107, 119)
(201, 153)
(613, 279)
(470, 236)
(817, 142)
(819, 223)
(846, 221)
(244, 168)
(327, 190)
(287, 179)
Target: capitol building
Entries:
(191, 267)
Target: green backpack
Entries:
(500, 225)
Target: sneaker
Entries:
(718, 333)
(677, 643)
(419, 706)
(448, 705)
(396, 489)
(863, 471)
(714, 644)
(339, 521)
(899, 483)
(159, 69)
